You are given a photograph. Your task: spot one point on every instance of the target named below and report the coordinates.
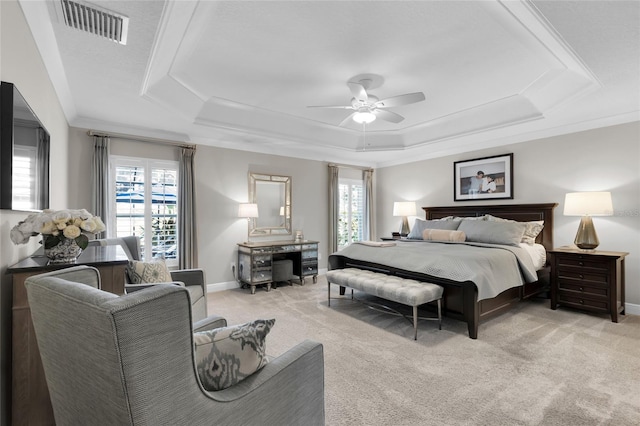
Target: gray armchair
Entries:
(108, 360)
(193, 279)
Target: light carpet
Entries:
(530, 366)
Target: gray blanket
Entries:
(493, 268)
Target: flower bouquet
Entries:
(64, 232)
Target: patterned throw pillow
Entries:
(227, 355)
(155, 271)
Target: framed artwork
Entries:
(487, 178)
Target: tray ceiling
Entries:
(240, 74)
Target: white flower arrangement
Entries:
(56, 226)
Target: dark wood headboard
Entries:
(519, 212)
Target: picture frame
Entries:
(487, 178)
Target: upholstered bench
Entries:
(400, 290)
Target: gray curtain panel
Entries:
(42, 158)
(187, 241)
(100, 201)
(367, 225)
(334, 205)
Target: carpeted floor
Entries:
(530, 366)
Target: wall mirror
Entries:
(24, 154)
(272, 194)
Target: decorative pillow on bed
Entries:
(155, 271)
(225, 356)
(461, 218)
(484, 231)
(443, 235)
(531, 231)
(420, 225)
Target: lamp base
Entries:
(405, 227)
(586, 238)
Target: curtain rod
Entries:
(346, 166)
(141, 139)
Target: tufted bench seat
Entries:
(406, 291)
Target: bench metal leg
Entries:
(439, 314)
(328, 293)
(415, 323)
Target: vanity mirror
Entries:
(272, 194)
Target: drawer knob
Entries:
(581, 263)
(581, 288)
(582, 302)
(581, 276)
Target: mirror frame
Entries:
(263, 231)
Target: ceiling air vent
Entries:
(95, 20)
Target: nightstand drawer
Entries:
(581, 275)
(571, 299)
(582, 261)
(582, 288)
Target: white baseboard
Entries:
(632, 309)
(212, 288)
(228, 285)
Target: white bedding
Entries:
(538, 254)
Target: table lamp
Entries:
(404, 209)
(587, 204)
(250, 211)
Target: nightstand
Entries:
(589, 280)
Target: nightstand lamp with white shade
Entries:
(404, 209)
(587, 204)
(249, 211)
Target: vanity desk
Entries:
(255, 261)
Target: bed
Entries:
(461, 298)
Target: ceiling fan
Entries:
(366, 107)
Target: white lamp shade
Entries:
(248, 210)
(588, 204)
(404, 208)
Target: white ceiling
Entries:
(240, 74)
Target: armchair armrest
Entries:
(189, 276)
(130, 288)
(288, 390)
(209, 323)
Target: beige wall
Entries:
(20, 63)
(222, 184)
(606, 159)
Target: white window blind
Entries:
(145, 198)
(351, 211)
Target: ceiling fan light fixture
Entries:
(365, 117)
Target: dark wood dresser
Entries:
(30, 402)
(589, 280)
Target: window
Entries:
(351, 211)
(145, 198)
(24, 179)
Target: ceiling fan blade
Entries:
(358, 91)
(331, 106)
(409, 98)
(388, 115)
(347, 120)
